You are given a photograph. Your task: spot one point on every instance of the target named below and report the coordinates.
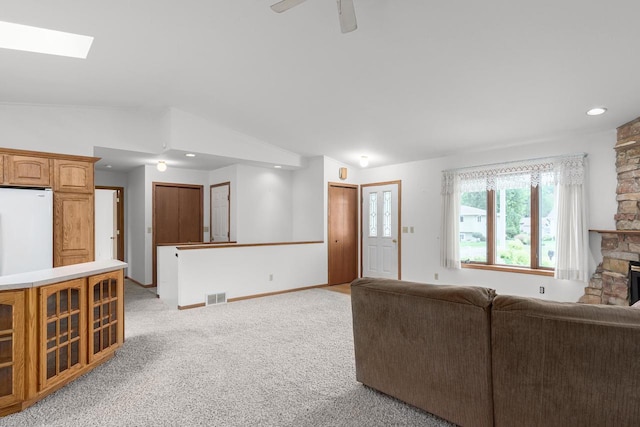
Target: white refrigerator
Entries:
(26, 230)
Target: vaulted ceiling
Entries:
(417, 79)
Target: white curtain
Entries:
(566, 172)
(449, 234)
(572, 235)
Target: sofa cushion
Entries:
(427, 345)
(561, 364)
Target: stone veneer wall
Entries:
(609, 284)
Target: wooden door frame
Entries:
(154, 248)
(343, 185)
(211, 187)
(378, 184)
(119, 219)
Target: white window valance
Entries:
(565, 170)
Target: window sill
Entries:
(509, 269)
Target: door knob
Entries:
(394, 241)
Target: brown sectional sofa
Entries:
(477, 359)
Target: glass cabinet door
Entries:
(106, 329)
(62, 331)
(11, 347)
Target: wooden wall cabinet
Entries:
(11, 348)
(106, 314)
(71, 176)
(62, 332)
(1, 169)
(73, 228)
(27, 171)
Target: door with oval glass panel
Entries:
(381, 230)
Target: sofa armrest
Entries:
(427, 345)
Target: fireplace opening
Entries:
(634, 282)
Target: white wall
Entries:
(110, 179)
(197, 272)
(264, 205)
(308, 195)
(136, 227)
(421, 209)
(189, 132)
(76, 130)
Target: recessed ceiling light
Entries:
(190, 155)
(108, 166)
(596, 111)
(278, 167)
(162, 165)
(40, 40)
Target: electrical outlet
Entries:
(411, 228)
(542, 289)
(271, 277)
(148, 230)
(436, 276)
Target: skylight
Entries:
(40, 40)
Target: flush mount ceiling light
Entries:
(162, 166)
(596, 111)
(190, 155)
(364, 161)
(40, 40)
(278, 167)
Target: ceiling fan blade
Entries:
(283, 5)
(347, 14)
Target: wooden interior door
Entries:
(343, 233)
(177, 216)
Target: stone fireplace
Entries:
(620, 247)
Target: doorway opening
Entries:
(109, 227)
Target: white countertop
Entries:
(34, 279)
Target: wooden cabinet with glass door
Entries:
(106, 314)
(62, 332)
(11, 348)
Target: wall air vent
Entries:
(213, 299)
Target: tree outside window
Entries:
(518, 229)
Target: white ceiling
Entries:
(418, 79)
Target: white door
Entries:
(380, 223)
(220, 212)
(106, 224)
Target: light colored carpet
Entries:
(284, 360)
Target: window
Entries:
(530, 217)
(521, 234)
